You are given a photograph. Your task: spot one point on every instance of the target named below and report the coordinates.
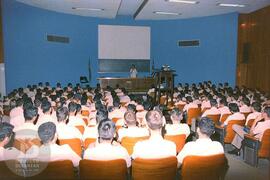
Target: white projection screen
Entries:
(123, 42)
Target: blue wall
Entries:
(29, 58)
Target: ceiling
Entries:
(143, 9)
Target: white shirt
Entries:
(206, 104)
(17, 121)
(211, 111)
(253, 115)
(190, 105)
(154, 147)
(67, 132)
(46, 118)
(90, 132)
(17, 111)
(26, 131)
(117, 113)
(106, 151)
(235, 116)
(75, 121)
(133, 73)
(224, 110)
(124, 99)
(132, 132)
(260, 128)
(175, 129)
(200, 147)
(10, 154)
(53, 152)
(245, 109)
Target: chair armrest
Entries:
(250, 137)
(219, 127)
(251, 141)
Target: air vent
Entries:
(59, 39)
(189, 43)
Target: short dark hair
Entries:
(256, 106)
(72, 107)
(176, 111)
(106, 129)
(45, 106)
(189, 99)
(6, 130)
(30, 112)
(130, 118)
(131, 107)
(62, 114)
(246, 101)
(213, 102)
(206, 126)
(233, 107)
(101, 115)
(267, 111)
(46, 132)
(154, 119)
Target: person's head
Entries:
(131, 107)
(213, 102)
(206, 127)
(266, 113)
(6, 134)
(130, 118)
(133, 66)
(176, 115)
(246, 101)
(72, 107)
(62, 114)
(256, 107)
(106, 130)
(222, 102)
(233, 107)
(189, 99)
(46, 106)
(154, 120)
(101, 115)
(19, 102)
(30, 113)
(116, 103)
(47, 133)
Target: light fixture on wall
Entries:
(231, 5)
(184, 1)
(166, 13)
(88, 9)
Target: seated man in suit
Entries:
(203, 146)
(7, 152)
(50, 151)
(155, 146)
(104, 149)
(260, 124)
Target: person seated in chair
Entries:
(260, 124)
(190, 104)
(74, 120)
(50, 151)
(255, 112)
(7, 152)
(213, 110)
(47, 113)
(244, 105)
(155, 146)
(236, 115)
(203, 146)
(132, 130)
(105, 149)
(177, 127)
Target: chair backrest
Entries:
(154, 169)
(179, 140)
(224, 117)
(264, 151)
(250, 122)
(215, 117)
(85, 121)
(103, 170)
(230, 133)
(115, 119)
(25, 144)
(193, 113)
(80, 128)
(89, 141)
(246, 114)
(85, 113)
(204, 109)
(75, 144)
(204, 167)
(180, 106)
(56, 170)
(129, 142)
(6, 173)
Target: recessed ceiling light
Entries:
(87, 9)
(167, 13)
(182, 1)
(231, 5)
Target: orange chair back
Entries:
(246, 114)
(85, 113)
(115, 119)
(57, 170)
(230, 132)
(215, 117)
(88, 141)
(154, 169)
(204, 109)
(180, 106)
(264, 151)
(129, 142)
(80, 128)
(6, 173)
(193, 113)
(179, 140)
(25, 144)
(250, 122)
(85, 121)
(103, 170)
(162, 100)
(224, 117)
(204, 167)
(75, 145)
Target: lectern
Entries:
(164, 85)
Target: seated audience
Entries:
(236, 115)
(74, 120)
(213, 110)
(255, 112)
(47, 113)
(104, 149)
(203, 146)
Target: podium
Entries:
(164, 85)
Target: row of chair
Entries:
(194, 167)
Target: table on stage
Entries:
(140, 84)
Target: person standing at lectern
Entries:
(133, 71)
